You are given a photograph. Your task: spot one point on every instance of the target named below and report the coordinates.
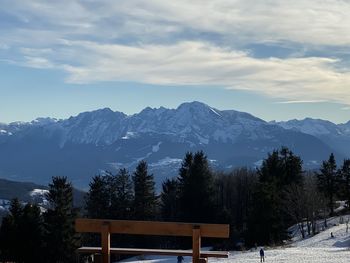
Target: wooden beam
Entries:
(149, 251)
(105, 239)
(196, 244)
(84, 225)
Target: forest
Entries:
(259, 204)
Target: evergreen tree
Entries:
(345, 181)
(234, 199)
(184, 171)
(10, 233)
(268, 218)
(32, 235)
(22, 230)
(122, 195)
(61, 240)
(327, 178)
(145, 200)
(169, 200)
(265, 223)
(97, 202)
(291, 167)
(281, 167)
(197, 191)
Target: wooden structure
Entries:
(196, 231)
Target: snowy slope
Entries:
(318, 249)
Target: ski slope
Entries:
(318, 249)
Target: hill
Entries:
(30, 192)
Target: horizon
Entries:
(275, 60)
(153, 108)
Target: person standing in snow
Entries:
(262, 255)
(180, 259)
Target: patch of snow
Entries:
(202, 140)
(258, 163)
(116, 165)
(321, 248)
(4, 132)
(313, 162)
(129, 135)
(5, 202)
(341, 239)
(155, 148)
(38, 192)
(341, 206)
(166, 161)
(215, 112)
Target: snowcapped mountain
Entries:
(336, 136)
(81, 146)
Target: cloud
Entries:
(310, 79)
(182, 42)
(299, 101)
(312, 22)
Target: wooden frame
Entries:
(196, 231)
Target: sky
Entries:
(275, 59)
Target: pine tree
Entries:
(97, 202)
(327, 178)
(22, 230)
(197, 191)
(345, 181)
(292, 167)
(145, 200)
(32, 234)
(269, 218)
(122, 195)
(185, 168)
(10, 233)
(169, 200)
(281, 167)
(61, 239)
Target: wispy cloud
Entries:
(187, 43)
(299, 101)
(312, 22)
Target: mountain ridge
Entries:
(83, 145)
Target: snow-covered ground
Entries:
(321, 248)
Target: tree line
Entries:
(259, 204)
(28, 234)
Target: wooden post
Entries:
(196, 244)
(106, 244)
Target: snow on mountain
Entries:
(314, 127)
(97, 127)
(194, 121)
(345, 127)
(82, 145)
(336, 136)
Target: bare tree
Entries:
(315, 201)
(295, 205)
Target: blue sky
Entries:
(275, 59)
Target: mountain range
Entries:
(88, 144)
